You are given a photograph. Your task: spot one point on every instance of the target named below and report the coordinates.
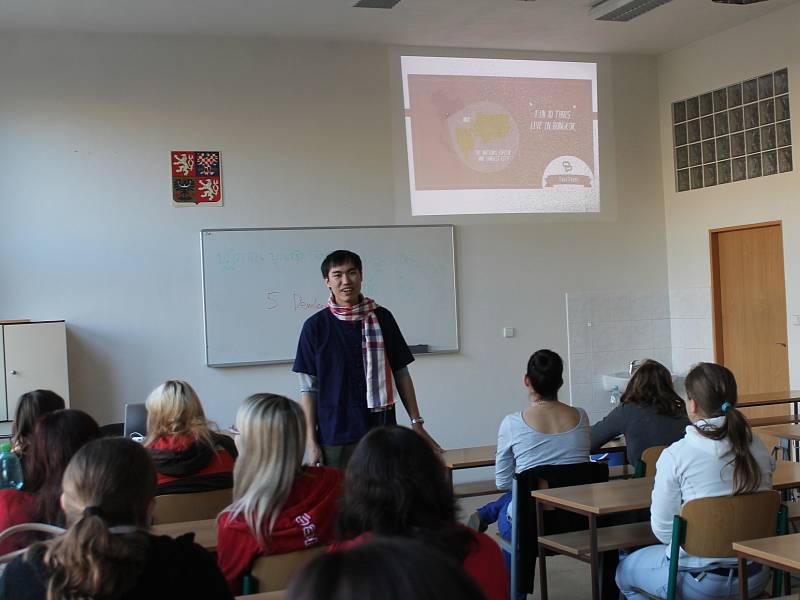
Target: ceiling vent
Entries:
(375, 3)
(622, 10)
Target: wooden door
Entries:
(749, 307)
(36, 358)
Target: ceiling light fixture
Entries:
(622, 10)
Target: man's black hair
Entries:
(340, 257)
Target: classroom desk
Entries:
(484, 456)
(787, 432)
(205, 531)
(618, 496)
(264, 596)
(769, 398)
(780, 552)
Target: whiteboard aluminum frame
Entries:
(456, 350)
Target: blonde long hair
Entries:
(271, 447)
(108, 487)
(174, 408)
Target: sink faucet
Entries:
(633, 366)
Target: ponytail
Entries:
(108, 487)
(91, 561)
(713, 388)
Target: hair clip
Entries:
(725, 406)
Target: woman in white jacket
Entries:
(718, 457)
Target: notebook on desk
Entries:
(135, 422)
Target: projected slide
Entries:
(489, 136)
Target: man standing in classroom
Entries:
(352, 362)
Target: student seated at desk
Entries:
(56, 438)
(30, 407)
(384, 568)
(547, 432)
(396, 485)
(719, 456)
(650, 413)
(109, 487)
(278, 504)
(189, 457)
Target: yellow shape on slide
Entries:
(465, 140)
(487, 127)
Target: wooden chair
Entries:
(524, 548)
(710, 526)
(646, 466)
(275, 571)
(195, 506)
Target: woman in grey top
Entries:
(650, 413)
(547, 432)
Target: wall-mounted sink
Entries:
(620, 382)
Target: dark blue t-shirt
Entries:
(330, 350)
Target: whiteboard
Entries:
(260, 285)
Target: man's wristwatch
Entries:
(417, 420)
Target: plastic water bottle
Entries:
(10, 469)
(614, 400)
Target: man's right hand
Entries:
(313, 454)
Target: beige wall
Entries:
(306, 135)
(758, 47)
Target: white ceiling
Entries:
(555, 25)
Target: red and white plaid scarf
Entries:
(381, 393)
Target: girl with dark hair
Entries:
(396, 485)
(107, 553)
(650, 413)
(30, 407)
(57, 437)
(719, 456)
(389, 569)
(547, 432)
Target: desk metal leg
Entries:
(541, 557)
(742, 578)
(594, 557)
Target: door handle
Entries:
(12, 372)
(781, 344)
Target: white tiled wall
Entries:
(609, 329)
(692, 338)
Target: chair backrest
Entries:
(714, 524)
(275, 571)
(195, 506)
(525, 530)
(25, 528)
(649, 459)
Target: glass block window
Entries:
(734, 133)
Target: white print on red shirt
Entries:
(309, 529)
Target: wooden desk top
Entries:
(467, 458)
(768, 398)
(782, 550)
(264, 596)
(622, 495)
(789, 432)
(786, 476)
(616, 496)
(484, 456)
(205, 532)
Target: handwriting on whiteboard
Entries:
(276, 299)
